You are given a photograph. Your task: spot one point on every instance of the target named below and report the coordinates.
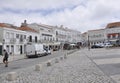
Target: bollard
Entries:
(65, 56)
(49, 63)
(11, 76)
(61, 58)
(38, 67)
(56, 61)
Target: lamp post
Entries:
(3, 42)
(88, 43)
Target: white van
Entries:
(35, 50)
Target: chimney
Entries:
(24, 24)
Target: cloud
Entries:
(38, 4)
(79, 15)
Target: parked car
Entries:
(101, 44)
(108, 45)
(96, 46)
(55, 49)
(48, 51)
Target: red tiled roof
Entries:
(113, 25)
(113, 34)
(25, 28)
(84, 33)
(96, 30)
(4, 25)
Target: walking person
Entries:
(5, 58)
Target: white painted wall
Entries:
(12, 44)
(112, 30)
(97, 36)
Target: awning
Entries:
(113, 40)
(54, 43)
(72, 44)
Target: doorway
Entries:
(0, 49)
(21, 49)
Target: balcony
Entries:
(21, 40)
(13, 40)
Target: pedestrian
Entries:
(5, 58)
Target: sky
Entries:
(80, 15)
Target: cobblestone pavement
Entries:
(107, 59)
(77, 68)
(13, 57)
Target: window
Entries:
(53, 39)
(17, 48)
(30, 39)
(12, 48)
(7, 35)
(44, 38)
(21, 38)
(111, 36)
(24, 36)
(50, 39)
(56, 32)
(8, 49)
(35, 38)
(17, 35)
(56, 39)
(12, 35)
(116, 36)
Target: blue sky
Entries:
(81, 15)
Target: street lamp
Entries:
(3, 42)
(88, 43)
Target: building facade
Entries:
(96, 36)
(113, 33)
(12, 40)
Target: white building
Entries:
(65, 35)
(74, 36)
(60, 33)
(46, 34)
(96, 36)
(12, 39)
(56, 36)
(113, 33)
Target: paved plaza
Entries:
(77, 68)
(13, 57)
(107, 59)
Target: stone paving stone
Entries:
(76, 69)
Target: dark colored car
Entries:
(96, 46)
(55, 49)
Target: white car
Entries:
(100, 44)
(47, 51)
(108, 45)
